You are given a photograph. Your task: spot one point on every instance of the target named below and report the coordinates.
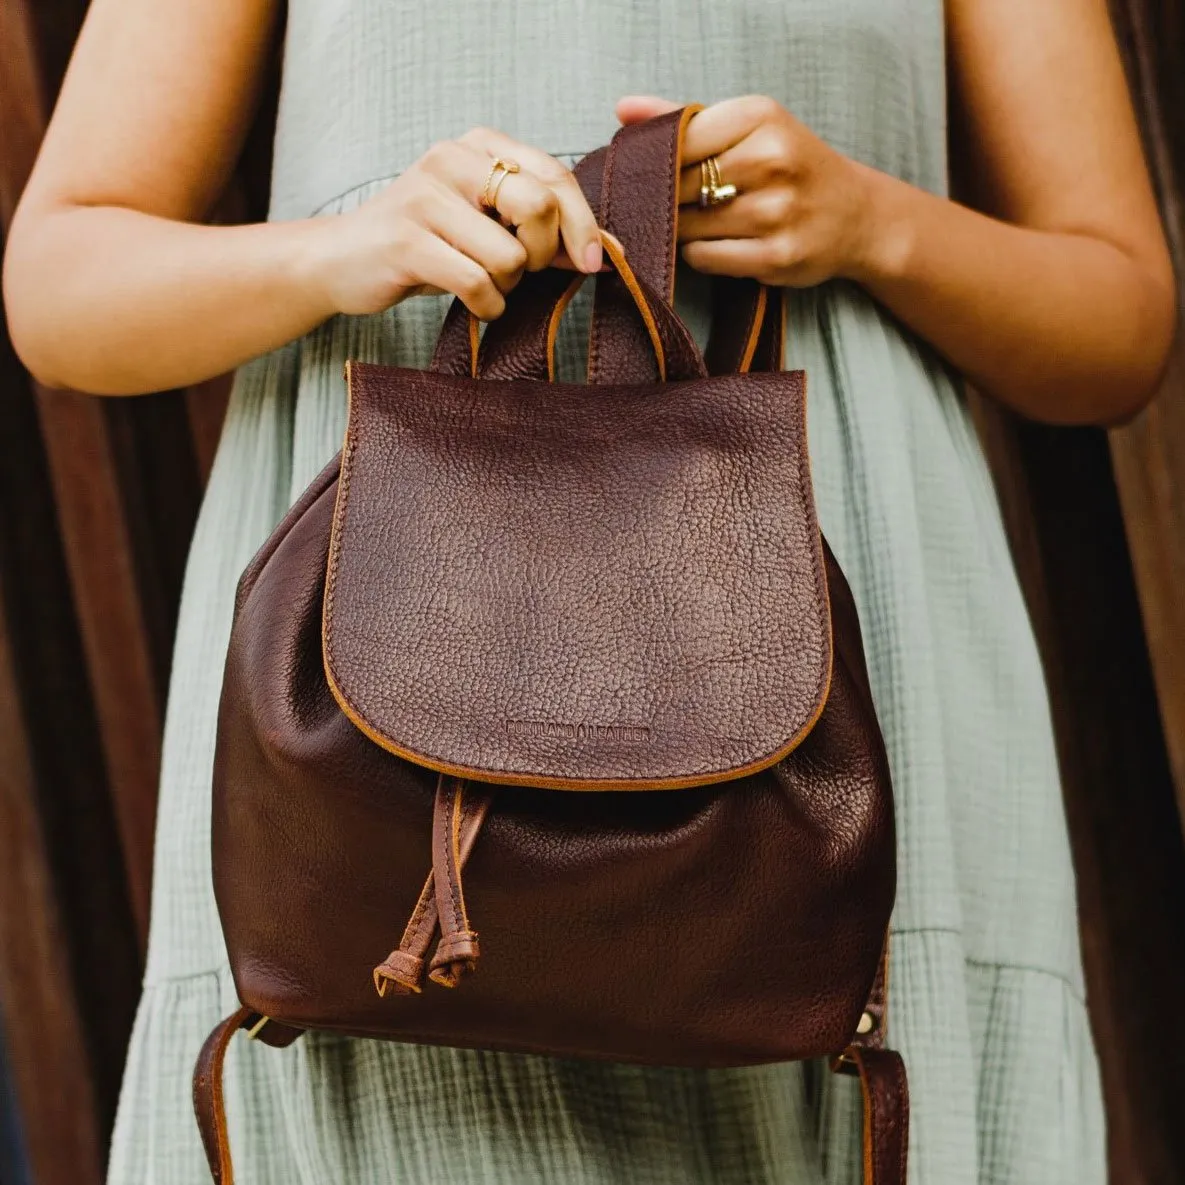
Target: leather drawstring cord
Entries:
(457, 817)
(457, 951)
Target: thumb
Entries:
(636, 108)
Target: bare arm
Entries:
(112, 287)
(1057, 298)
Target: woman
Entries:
(1056, 299)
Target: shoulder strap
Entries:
(886, 1112)
(209, 1102)
(881, 1071)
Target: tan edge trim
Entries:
(866, 1093)
(690, 110)
(754, 330)
(553, 325)
(616, 253)
(474, 344)
(498, 778)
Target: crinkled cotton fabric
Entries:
(986, 987)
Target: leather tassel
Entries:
(401, 972)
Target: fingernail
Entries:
(592, 257)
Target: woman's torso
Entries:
(370, 84)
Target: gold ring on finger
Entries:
(500, 169)
(713, 190)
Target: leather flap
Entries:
(555, 585)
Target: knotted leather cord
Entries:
(402, 971)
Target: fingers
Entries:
(438, 265)
(534, 211)
(523, 201)
(577, 226)
(545, 219)
(637, 108)
(751, 258)
(715, 129)
(479, 237)
(757, 214)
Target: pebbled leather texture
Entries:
(640, 559)
(533, 587)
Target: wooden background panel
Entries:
(69, 959)
(1149, 455)
(1066, 529)
(124, 619)
(127, 473)
(97, 504)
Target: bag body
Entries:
(579, 656)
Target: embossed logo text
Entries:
(577, 732)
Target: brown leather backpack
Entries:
(587, 644)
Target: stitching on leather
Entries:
(442, 822)
(606, 221)
(339, 517)
(460, 922)
(673, 156)
(418, 932)
(632, 286)
(823, 593)
(902, 1131)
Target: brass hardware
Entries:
(257, 1028)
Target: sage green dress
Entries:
(987, 991)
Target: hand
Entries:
(803, 210)
(427, 233)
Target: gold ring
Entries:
(712, 190)
(499, 171)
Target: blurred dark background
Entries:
(97, 502)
